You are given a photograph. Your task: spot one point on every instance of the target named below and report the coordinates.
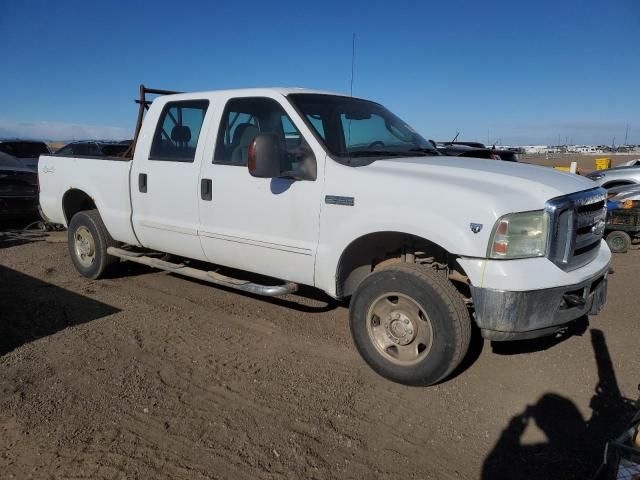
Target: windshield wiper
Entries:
(426, 151)
(376, 153)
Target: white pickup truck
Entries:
(336, 192)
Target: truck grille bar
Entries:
(576, 227)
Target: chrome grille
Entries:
(576, 227)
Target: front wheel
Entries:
(88, 242)
(410, 324)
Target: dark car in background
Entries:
(94, 148)
(18, 188)
(475, 150)
(26, 152)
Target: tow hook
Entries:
(573, 300)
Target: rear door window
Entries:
(178, 131)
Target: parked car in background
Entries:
(475, 150)
(94, 148)
(26, 152)
(616, 176)
(18, 188)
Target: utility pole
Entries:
(626, 134)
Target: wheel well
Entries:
(75, 201)
(616, 183)
(362, 256)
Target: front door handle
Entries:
(142, 182)
(206, 189)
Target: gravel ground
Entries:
(149, 375)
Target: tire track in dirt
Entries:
(191, 381)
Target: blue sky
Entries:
(517, 72)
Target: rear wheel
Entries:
(88, 241)
(619, 242)
(410, 324)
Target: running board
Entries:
(207, 276)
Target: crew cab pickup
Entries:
(321, 189)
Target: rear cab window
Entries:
(178, 130)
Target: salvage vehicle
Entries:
(475, 150)
(93, 148)
(26, 152)
(622, 454)
(18, 189)
(335, 192)
(616, 176)
(623, 217)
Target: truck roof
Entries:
(251, 92)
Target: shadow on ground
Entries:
(576, 328)
(575, 445)
(32, 309)
(14, 233)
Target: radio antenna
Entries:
(353, 60)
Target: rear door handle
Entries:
(142, 182)
(206, 189)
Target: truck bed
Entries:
(106, 177)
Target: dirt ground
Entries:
(150, 375)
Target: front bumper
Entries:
(515, 315)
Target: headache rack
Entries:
(144, 104)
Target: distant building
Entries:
(584, 149)
(532, 149)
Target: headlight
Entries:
(520, 235)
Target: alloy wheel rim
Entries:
(617, 243)
(399, 328)
(84, 246)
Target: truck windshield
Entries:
(352, 128)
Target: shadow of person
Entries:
(564, 428)
(573, 446)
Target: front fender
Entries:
(342, 225)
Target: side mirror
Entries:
(265, 156)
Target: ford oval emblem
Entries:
(598, 228)
(475, 227)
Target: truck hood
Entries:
(453, 202)
(507, 186)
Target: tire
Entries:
(619, 242)
(88, 241)
(427, 347)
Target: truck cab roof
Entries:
(248, 92)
